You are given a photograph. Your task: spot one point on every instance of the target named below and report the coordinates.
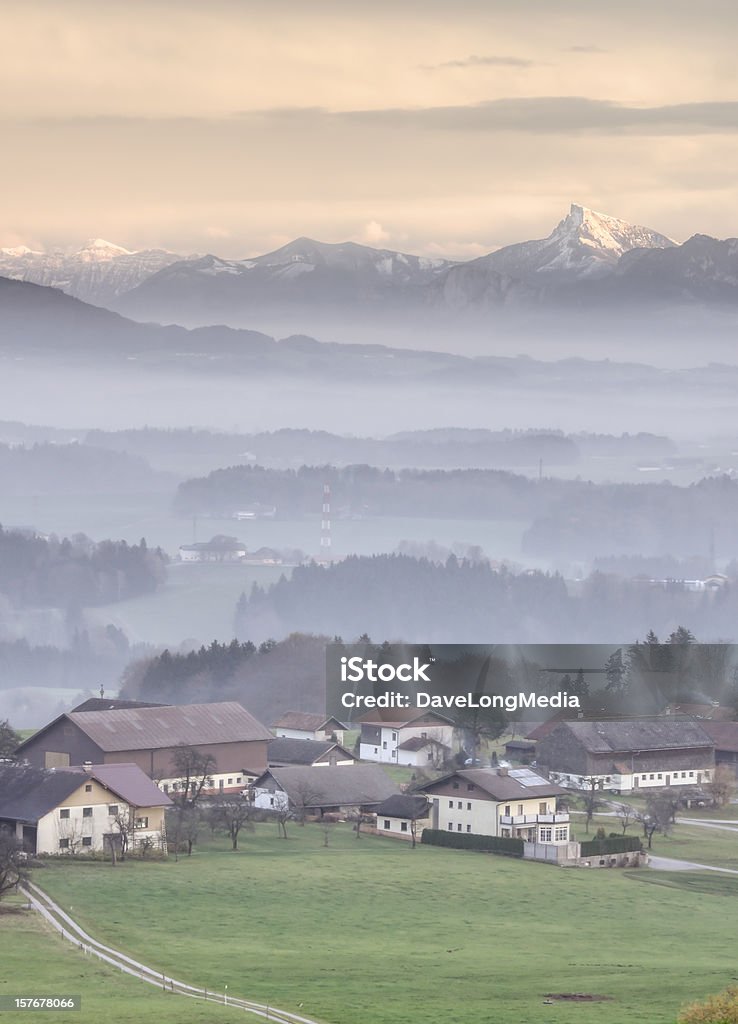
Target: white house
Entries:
(513, 803)
(386, 740)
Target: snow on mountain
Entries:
(583, 244)
(97, 272)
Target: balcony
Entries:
(534, 819)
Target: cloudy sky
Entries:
(233, 126)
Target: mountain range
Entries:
(588, 259)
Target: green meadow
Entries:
(370, 931)
(36, 961)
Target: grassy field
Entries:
(36, 961)
(373, 932)
(712, 846)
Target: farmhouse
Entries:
(83, 809)
(403, 815)
(283, 751)
(513, 803)
(320, 789)
(383, 739)
(150, 736)
(302, 725)
(628, 755)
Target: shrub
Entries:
(718, 1009)
(471, 841)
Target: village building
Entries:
(151, 737)
(403, 816)
(304, 725)
(623, 756)
(383, 739)
(512, 803)
(285, 751)
(218, 549)
(317, 790)
(82, 809)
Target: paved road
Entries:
(670, 864)
(72, 931)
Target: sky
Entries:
(437, 128)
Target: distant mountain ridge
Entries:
(588, 259)
(97, 272)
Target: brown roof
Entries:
(168, 726)
(327, 786)
(503, 784)
(285, 750)
(393, 722)
(723, 734)
(418, 742)
(305, 721)
(130, 783)
(638, 734)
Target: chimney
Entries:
(502, 771)
(87, 765)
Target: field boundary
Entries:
(70, 930)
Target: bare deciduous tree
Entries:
(231, 814)
(13, 863)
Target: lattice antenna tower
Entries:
(325, 523)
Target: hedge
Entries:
(613, 844)
(470, 841)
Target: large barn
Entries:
(628, 755)
(150, 736)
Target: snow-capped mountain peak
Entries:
(585, 243)
(100, 249)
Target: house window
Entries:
(450, 826)
(113, 810)
(165, 787)
(458, 827)
(403, 826)
(507, 810)
(63, 844)
(608, 778)
(386, 823)
(394, 736)
(141, 823)
(542, 808)
(468, 828)
(651, 777)
(451, 803)
(561, 834)
(643, 778)
(545, 834)
(468, 805)
(88, 787)
(87, 840)
(459, 805)
(86, 812)
(271, 801)
(64, 812)
(660, 775)
(384, 745)
(455, 785)
(691, 775)
(520, 808)
(238, 780)
(469, 787)
(376, 750)
(230, 782)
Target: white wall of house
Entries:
(516, 818)
(400, 828)
(385, 750)
(82, 829)
(270, 800)
(298, 734)
(628, 783)
(219, 782)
